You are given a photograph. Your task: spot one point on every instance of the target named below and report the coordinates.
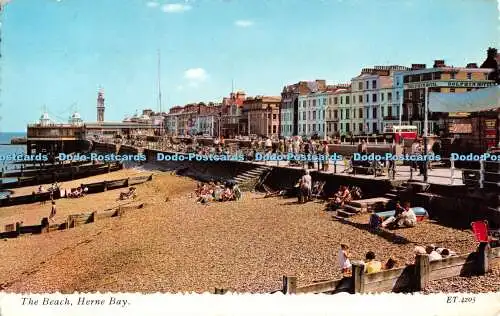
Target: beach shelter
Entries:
(473, 101)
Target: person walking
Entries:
(52, 211)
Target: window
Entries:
(274, 129)
(314, 127)
(374, 97)
(324, 101)
(274, 116)
(341, 100)
(335, 126)
(304, 115)
(308, 102)
(389, 110)
(308, 128)
(360, 113)
(353, 99)
(374, 130)
(437, 76)
(397, 95)
(374, 113)
(360, 99)
(367, 99)
(368, 85)
(452, 90)
(347, 100)
(314, 115)
(314, 103)
(347, 114)
(341, 114)
(410, 94)
(469, 76)
(309, 115)
(452, 75)
(374, 84)
(347, 127)
(389, 96)
(485, 76)
(341, 125)
(335, 100)
(335, 114)
(323, 114)
(360, 86)
(360, 127)
(353, 114)
(382, 97)
(304, 103)
(329, 101)
(367, 113)
(303, 128)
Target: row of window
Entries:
(347, 99)
(346, 113)
(334, 127)
(436, 76)
(367, 85)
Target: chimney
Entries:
(439, 63)
(471, 65)
(417, 66)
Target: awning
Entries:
(474, 101)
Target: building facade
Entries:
(261, 115)
(290, 107)
(312, 110)
(231, 114)
(443, 79)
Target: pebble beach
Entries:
(174, 244)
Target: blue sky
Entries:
(58, 53)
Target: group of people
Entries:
(371, 264)
(76, 193)
(217, 192)
(341, 197)
(435, 253)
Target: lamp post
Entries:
(426, 110)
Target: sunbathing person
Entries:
(342, 196)
(404, 217)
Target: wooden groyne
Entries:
(410, 278)
(95, 187)
(17, 229)
(64, 175)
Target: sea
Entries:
(5, 149)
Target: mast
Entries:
(159, 80)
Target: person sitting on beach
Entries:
(390, 264)
(433, 254)
(227, 194)
(372, 265)
(342, 196)
(218, 194)
(444, 252)
(344, 262)
(405, 218)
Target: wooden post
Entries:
(289, 284)
(358, 275)
(45, 225)
(105, 186)
(220, 291)
(484, 256)
(126, 182)
(18, 228)
(421, 271)
(93, 217)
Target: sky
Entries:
(57, 53)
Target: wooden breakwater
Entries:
(34, 170)
(95, 187)
(17, 229)
(64, 175)
(410, 278)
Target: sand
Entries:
(180, 245)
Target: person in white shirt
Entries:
(406, 219)
(344, 262)
(306, 186)
(433, 254)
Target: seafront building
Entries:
(440, 78)
(261, 116)
(231, 111)
(289, 107)
(312, 109)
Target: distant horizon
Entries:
(58, 53)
